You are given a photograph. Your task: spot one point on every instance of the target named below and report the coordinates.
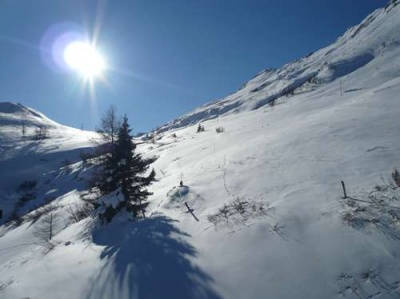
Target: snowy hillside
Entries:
(361, 45)
(24, 156)
(272, 220)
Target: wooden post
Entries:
(191, 211)
(51, 226)
(344, 190)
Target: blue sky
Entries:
(165, 57)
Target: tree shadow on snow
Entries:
(148, 259)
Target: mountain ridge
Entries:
(16, 114)
(308, 73)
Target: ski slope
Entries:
(267, 192)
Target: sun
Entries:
(85, 59)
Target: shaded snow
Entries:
(23, 158)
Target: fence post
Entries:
(344, 190)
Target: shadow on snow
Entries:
(148, 259)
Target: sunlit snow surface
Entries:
(290, 158)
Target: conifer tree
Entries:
(124, 170)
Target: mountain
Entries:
(362, 45)
(15, 113)
(252, 207)
(26, 155)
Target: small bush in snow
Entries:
(224, 211)
(220, 129)
(14, 219)
(239, 211)
(66, 164)
(396, 177)
(41, 133)
(200, 128)
(44, 231)
(380, 211)
(78, 213)
(108, 130)
(272, 103)
(44, 210)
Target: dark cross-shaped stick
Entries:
(191, 212)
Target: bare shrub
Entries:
(66, 164)
(220, 129)
(239, 211)
(240, 206)
(41, 133)
(90, 195)
(110, 123)
(200, 128)
(44, 210)
(44, 231)
(272, 103)
(224, 211)
(379, 211)
(396, 177)
(80, 212)
(14, 219)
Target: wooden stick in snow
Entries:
(191, 212)
(344, 190)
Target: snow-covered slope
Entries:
(266, 191)
(377, 35)
(24, 157)
(12, 114)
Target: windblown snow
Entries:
(266, 190)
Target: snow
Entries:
(24, 158)
(377, 35)
(307, 242)
(112, 199)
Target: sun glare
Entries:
(84, 58)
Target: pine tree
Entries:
(123, 170)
